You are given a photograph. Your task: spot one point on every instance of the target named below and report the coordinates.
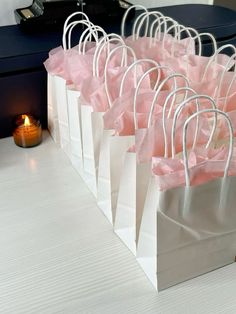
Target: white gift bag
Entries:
(123, 22)
(92, 128)
(113, 149)
(74, 104)
(188, 231)
(92, 124)
(135, 179)
(125, 218)
(112, 155)
(61, 92)
(53, 125)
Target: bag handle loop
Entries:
(69, 28)
(162, 20)
(214, 57)
(105, 43)
(177, 113)
(222, 77)
(169, 77)
(140, 21)
(157, 68)
(177, 37)
(106, 66)
(134, 64)
(231, 142)
(214, 43)
(88, 35)
(158, 29)
(228, 91)
(72, 15)
(126, 14)
(186, 90)
(188, 31)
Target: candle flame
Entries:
(26, 120)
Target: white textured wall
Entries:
(162, 3)
(7, 6)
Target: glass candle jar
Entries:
(27, 131)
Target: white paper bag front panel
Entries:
(132, 196)
(75, 129)
(125, 220)
(92, 129)
(143, 175)
(192, 232)
(61, 97)
(109, 173)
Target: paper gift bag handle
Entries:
(170, 77)
(231, 141)
(222, 77)
(134, 65)
(213, 40)
(199, 36)
(83, 15)
(153, 32)
(126, 14)
(188, 31)
(186, 91)
(214, 58)
(106, 66)
(138, 24)
(105, 43)
(159, 27)
(83, 42)
(228, 92)
(69, 28)
(177, 113)
(162, 20)
(87, 30)
(177, 37)
(174, 27)
(157, 68)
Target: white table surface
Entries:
(58, 253)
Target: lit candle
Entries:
(27, 132)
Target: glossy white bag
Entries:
(188, 231)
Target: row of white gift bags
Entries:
(188, 226)
(73, 96)
(113, 146)
(92, 114)
(136, 171)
